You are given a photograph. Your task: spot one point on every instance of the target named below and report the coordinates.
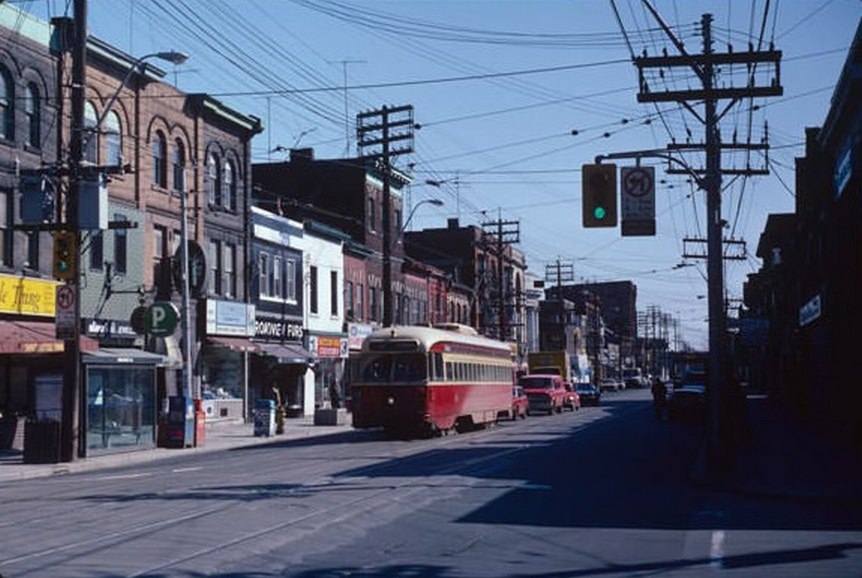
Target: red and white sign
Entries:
(64, 320)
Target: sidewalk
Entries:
(220, 435)
(788, 459)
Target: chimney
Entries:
(301, 155)
(453, 224)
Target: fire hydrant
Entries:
(280, 412)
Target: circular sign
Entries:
(161, 319)
(197, 268)
(637, 182)
(65, 297)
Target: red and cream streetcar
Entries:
(429, 381)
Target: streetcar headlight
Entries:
(390, 400)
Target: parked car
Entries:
(545, 392)
(609, 384)
(687, 400)
(634, 378)
(571, 400)
(589, 394)
(519, 403)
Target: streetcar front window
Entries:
(394, 368)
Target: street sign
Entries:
(638, 201)
(64, 316)
(162, 319)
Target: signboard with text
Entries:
(637, 189)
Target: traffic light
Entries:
(599, 195)
(65, 248)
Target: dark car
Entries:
(589, 393)
(687, 400)
(519, 403)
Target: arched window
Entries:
(160, 160)
(229, 184)
(113, 140)
(32, 108)
(178, 161)
(213, 181)
(91, 134)
(7, 106)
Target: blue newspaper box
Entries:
(264, 418)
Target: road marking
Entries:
(124, 477)
(182, 470)
(716, 549)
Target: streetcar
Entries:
(428, 381)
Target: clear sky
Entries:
(513, 97)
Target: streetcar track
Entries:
(405, 489)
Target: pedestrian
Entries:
(659, 397)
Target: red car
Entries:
(519, 403)
(545, 392)
(572, 400)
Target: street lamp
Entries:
(435, 202)
(171, 56)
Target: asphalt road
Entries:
(599, 492)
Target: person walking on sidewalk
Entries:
(659, 397)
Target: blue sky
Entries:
(499, 87)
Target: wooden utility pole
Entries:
(504, 233)
(709, 179)
(376, 131)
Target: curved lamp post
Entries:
(435, 202)
(171, 56)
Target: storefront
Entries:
(331, 353)
(224, 358)
(279, 366)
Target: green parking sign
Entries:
(161, 319)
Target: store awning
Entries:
(233, 343)
(286, 352)
(36, 337)
(123, 355)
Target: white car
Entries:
(609, 384)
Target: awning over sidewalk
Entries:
(123, 355)
(286, 352)
(36, 337)
(233, 343)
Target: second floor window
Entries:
(372, 221)
(33, 250)
(276, 277)
(121, 247)
(263, 274)
(333, 293)
(5, 228)
(91, 134)
(229, 185)
(290, 280)
(160, 160)
(7, 106)
(228, 270)
(178, 164)
(113, 140)
(312, 289)
(213, 181)
(32, 107)
(97, 250)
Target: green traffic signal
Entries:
(599, 213)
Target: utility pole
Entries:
(71, 446)
(704, 67)
(557, 273)
(504, 233)
(376, 131)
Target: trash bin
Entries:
(264, 418)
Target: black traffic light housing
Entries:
(65, 248)
(599, 195)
